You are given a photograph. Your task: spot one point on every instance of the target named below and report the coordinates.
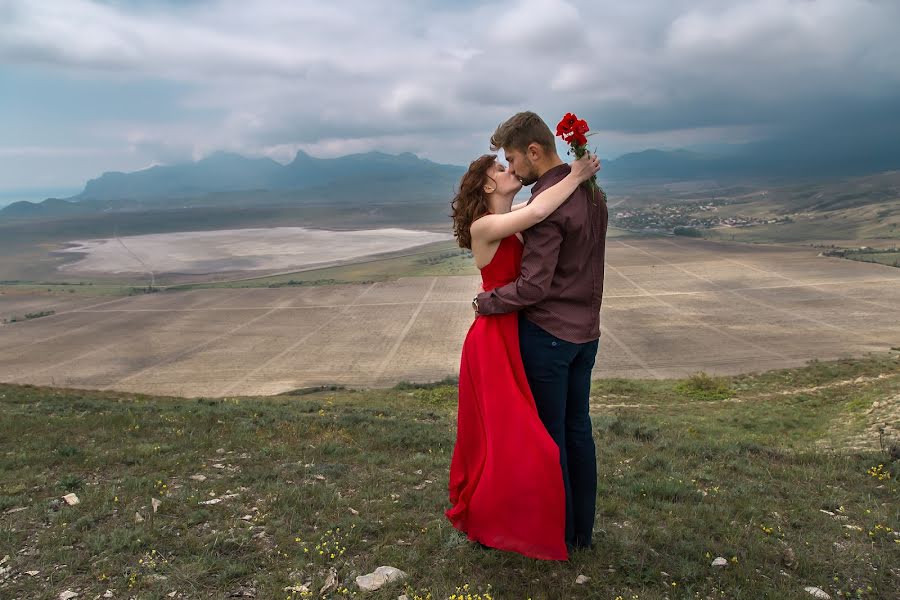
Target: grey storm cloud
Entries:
(435, 78)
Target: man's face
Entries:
(521, 166)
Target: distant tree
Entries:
(688, 232)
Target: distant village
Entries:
(666, 218)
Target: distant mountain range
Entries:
(225, 179)
(231, 179)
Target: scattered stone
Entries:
(297, 589)
(218, 466)
(375, 580)
(582, 579)
(33, 573)
(220, 451)
(353, 511)
(331, 582)
(853, 527)
(138, 518)
(402, 597)
(198, 477)
(156, 503)
(243, 592)
(817, 593)
(71, 499)
(827, 512)
(247, 518)
(320, 477)
(213, 501)
(171, 594)
(720, 561)
(15, 510)
(108, 594)
(789, 558)
(67, 595)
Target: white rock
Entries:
(353, 511)
(817, 593)
(71, 499)
(156, 503)
(720, 562)
(108, 594)
(138, 518)
(67, 595)
(403, 597)
(198, 477)
(582, 579)
(379, 577)
(213, 501)
(33, 573)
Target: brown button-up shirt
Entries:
(560, 287)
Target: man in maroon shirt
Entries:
(558, 296)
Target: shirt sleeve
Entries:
(539, 260)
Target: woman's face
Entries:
(501, 180)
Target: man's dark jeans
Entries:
(559, 374)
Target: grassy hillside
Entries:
(782, 474)
(844, 212)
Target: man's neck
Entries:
(548, 163)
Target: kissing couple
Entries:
(523, 476)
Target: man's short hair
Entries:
(523, 129)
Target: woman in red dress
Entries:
(506, 482)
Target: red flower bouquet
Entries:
(574, 131)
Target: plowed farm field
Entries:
(671, 307)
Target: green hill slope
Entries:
(782, 474)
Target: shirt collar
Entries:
(550, 177)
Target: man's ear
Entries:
(534, 151)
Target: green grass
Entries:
(889, 258)
(738, 467)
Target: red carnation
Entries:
(565, 126)
(573, 131)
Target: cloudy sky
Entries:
(92, 86)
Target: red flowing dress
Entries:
(506, 482)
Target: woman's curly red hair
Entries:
(470, 202)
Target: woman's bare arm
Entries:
(495, 227)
